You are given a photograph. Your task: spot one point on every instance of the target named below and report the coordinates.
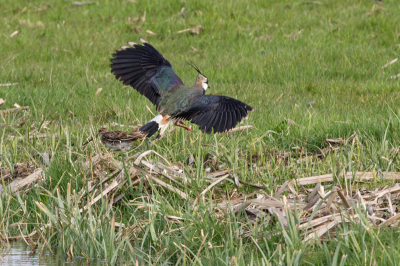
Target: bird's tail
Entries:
(152, 127)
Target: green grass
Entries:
(316, 64)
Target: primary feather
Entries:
(213, 113)
(146, 70)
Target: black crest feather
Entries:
(190, 63)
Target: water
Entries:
(20, 254)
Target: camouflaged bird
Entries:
(148, 72)
(119, 140)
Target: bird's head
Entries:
(201, 79)
(101, 131)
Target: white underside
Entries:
(118, 145)
(157, 119)
(164, 127)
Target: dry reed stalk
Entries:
(173, 172)
(238, 129)
(362, 176)
(343, 198)
(382, 193)
(229, 202)
(281, 189)
(140, 157)
(113, 185)
(154, 169)
(390, 221)
(20, 184)
(167, 186)
(324, 228)
(222, 178)
(218, 173)
(317, 221)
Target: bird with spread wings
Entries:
(148, 72)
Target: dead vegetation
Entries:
(320, 204)
(319, 201)
(18, 172)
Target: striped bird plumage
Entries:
(147, 71)
(119, 140)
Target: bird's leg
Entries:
(162, 130)
(182, 123)
(159, 136)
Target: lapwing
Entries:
(148, 72)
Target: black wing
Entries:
(215, 113)
(146, 70)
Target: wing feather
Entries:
(144, 68)
(224, 119)
(229, 117)
(206, 120)
(215, 113)
(207, 128)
